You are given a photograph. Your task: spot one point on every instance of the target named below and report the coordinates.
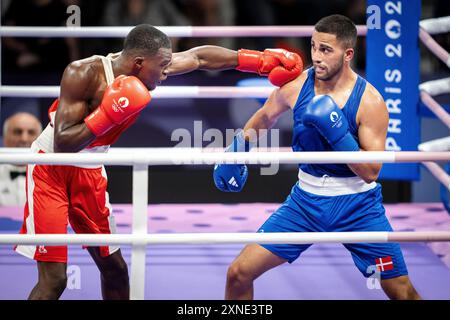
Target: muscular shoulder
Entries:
(372, 106)
(85, 69)
(81, 76)
(290, 91)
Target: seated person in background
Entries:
(19, 131)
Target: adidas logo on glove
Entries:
(233, 182)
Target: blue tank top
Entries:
(309, 139)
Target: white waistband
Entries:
(332, 186)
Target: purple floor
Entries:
(198, 271)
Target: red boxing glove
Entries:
(280, 65)
(126, 96)
(290, 68)
(256, 62)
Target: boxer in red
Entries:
(101, 97)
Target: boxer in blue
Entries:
(334, 109)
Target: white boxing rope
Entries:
(182, 149)
(179, 157)
(442, 144)
(118, 150)
(427, 90)
(436, 25)
(172, 92)
(182, 31)
(29, 91)
(209, 92)
(223, 238)
(436, 87)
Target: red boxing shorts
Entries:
(57, 195)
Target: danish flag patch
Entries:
(384, 264)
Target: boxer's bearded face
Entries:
(153, 69)
(328, 55)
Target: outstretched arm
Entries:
(279, 65)
(203, 58)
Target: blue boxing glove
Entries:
(326, 116)
(232, 177)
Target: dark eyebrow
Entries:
(321, 45)
(325, 46)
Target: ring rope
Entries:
(433, 88)
(436, 87)
(436, 25)
(442, 144)
(177, 92)
(179, 156)
(182, 31)
(225, 238)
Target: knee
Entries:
(237, 275)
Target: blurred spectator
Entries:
(134, 12)
(19, 131)
(38, 54)
(209, 13)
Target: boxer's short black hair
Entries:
(342, 27)
(146, 39)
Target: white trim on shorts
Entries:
(332, 186)
(111, 219)
(28, 250)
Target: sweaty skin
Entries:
(84, 82)
(335, 78)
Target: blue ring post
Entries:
(393, 67)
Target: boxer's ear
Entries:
(138, 61)
(349, 53)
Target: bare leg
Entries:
(114, 275)
(399, 288)
(252, 262)
(52, 281)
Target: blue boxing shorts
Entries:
(329, 204)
